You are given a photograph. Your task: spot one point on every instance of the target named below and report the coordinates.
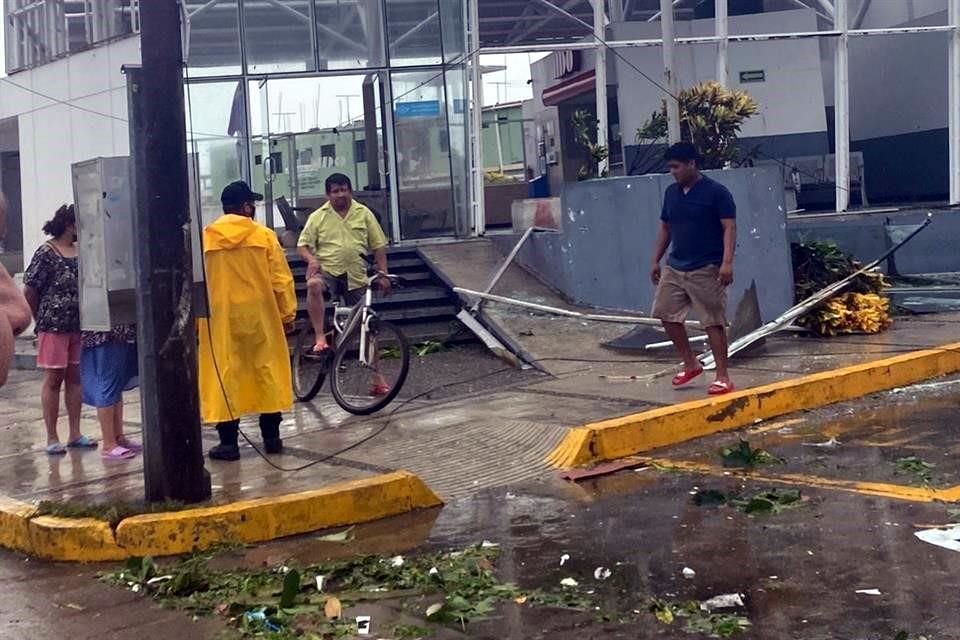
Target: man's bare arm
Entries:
(729, 247)
(659, 250)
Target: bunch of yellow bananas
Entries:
(851, 313)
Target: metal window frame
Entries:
(841, 32)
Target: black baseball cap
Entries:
(238, 193)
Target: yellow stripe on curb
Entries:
(270, 518)
(882, 489)
(162, 534)
(640, 432)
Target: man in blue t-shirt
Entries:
(699, 221)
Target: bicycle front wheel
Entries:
(364, 386)
(308, 371)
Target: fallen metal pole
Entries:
(788, 316)
(653, 322)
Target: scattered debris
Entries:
(564, 558)
(320, 580)
(363, 625)
(698, 620)
(709, 497)
(832, 443)
(291, 588)
(769, 502)
(948, 538)
(915, 466)
(689, 573)
(725, 601)
(869, 592)
(569, 582)
(396, 561)
(486, 544)
(773, 501)
(332, 608)
(601, 573)
(743, 455)
(344, 536)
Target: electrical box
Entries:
(103, 198)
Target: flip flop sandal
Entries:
(136, 447)
(685, 376)
(83, 442)
(118, 453)
(379, 390)
(56, 449)
(720, 388)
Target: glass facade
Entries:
(374, 89)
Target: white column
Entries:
(476, 121)
(953, 100)
(673, 107)
(842, 106)
(722, 32)
(599, 31)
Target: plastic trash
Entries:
(689, 573)
(725, 601)
(363, 625)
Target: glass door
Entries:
(312, 128)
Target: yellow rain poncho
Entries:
(251, 295)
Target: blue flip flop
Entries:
(56, 449)
(83, 442)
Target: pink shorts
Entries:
(57, 350)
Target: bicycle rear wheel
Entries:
(365, 388)
(308, 371)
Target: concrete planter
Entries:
(602, 257)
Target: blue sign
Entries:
(418, 109)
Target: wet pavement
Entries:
(799, 570)
(467, 421)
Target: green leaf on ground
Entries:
(912, 465)
(291, 587)
(773, 501)
(430, 346)
(709, 498)
(743, 455)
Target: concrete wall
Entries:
(53, 135)
(865, 236)
(791, 121)
(602, 257)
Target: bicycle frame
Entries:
(362, 313)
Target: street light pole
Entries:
(173, 455)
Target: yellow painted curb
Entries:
(621, 437)
(882, 489)
(275, 517)
(74, 540)
(162, 534)
(15, 524)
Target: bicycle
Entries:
(366, 352)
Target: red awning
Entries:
(575, 86)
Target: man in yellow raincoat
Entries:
(252, 302)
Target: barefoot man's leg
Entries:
(317, 310)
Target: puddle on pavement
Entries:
(798, 570)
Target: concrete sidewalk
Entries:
(482, 437)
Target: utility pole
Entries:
(173, 455)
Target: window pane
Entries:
(217, 139)
(350, 35)
(413, 32)
(452, 22)
(503, 23)
(423, 167)
(278, 36)
(213, 38)
(457, 145)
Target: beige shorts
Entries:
(700, 289)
